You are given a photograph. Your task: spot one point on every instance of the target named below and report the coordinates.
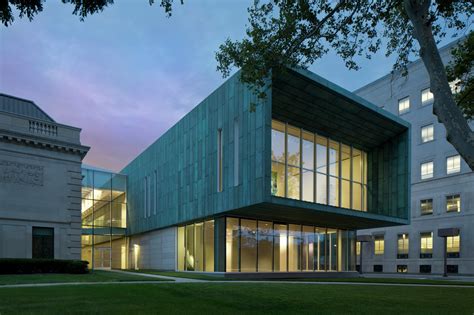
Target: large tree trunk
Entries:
(458, 132)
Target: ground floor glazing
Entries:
(263, 246)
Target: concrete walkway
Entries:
(149, 275)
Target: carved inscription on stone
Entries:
(21, 173)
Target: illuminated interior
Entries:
(104, 219)
(313, 168)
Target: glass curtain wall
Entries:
(312, 168)
(104, 219)
(196, 246)
(263, 246)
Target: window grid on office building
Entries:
(426, 96)
(453, 164)
(426, 170)
(427, 133)
(453, 203)
(426, 244)
(453, 245)
(403, 105)
(402, 246)
(379, 245)
(426, 206)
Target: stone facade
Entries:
(386, 93)
(40, 180)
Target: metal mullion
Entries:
(239, 265)
(301, 164)
(286, 160)
(273, 246)
(351, 180)
(314, 169)
(339, 177)
(93, 220)
(327, 171)
(203, 247)
(287, 246)
(257, 237)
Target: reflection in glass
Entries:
(198, 246)
(334, 191)
(333, 158)
(248, 245)
(280, 243)
(278, 179)
(345, 161)
(332, 244)
(321, 154)
(294, 248)
(307, 259)
(321, 188)
(209, 245)
(308, 151)
(232, 245)
(190, 247)
(345, 194)
(356, 165)
(278, 141)
(293, 146)
(320, 250)
(308, 186)
(265, 246)
(181, 248)
(356, 196)
(293, 182)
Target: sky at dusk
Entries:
(128, 74)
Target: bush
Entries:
(24, 265)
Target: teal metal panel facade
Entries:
(184, 161)
(175, 180)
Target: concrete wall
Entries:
(156, 249)
(40, 186)
(385, 92)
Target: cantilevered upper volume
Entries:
(310, 153)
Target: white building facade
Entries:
(442, 185)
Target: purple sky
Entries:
(129, 73)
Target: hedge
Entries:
(23, 266)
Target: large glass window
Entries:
(402, 246)
(190, 258)
(280, 245)
(332, 245)
(426, 245)
(294, 247)
(313, 168)
(232, 244)
(209, 245)
(320, 249)
(453, 203)
(307, 259)
(248, 245)
(265, 246)
(181, 248)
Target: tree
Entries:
(295, 33)
(82, 8)
(460, 71)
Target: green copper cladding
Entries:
(180, 170)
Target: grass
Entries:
(236, 298)
(93, 276)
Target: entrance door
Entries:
(102, 257)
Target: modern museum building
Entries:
(239, 184)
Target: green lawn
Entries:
(93, 276)
(236, 298)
